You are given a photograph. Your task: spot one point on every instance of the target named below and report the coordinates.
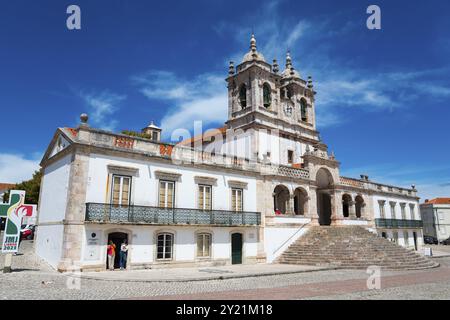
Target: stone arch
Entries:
(303, 110)
(324, 178)
(243, 96)
(281, 197)
(359, 206)
(300, 201)
(267, 95)
(346, 204)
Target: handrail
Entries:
(299, 229)
(108, 212)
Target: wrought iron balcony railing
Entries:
(398, 223)
(103, 212)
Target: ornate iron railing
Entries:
(398, 223)
(103, 212)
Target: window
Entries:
(203, 245)
(267, 95)
(290, 156)
(403, 210)
(243, 96)
(164, 246)
(236, 199)
(303, 110)
(121, 190)
(204, 197)
(411, 211)
(392, 210)
(381, 205)
(166, 194)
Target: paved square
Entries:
(34, 280)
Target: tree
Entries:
(31, 187)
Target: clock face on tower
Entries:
(288, 108)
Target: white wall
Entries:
(49, 240)
(264, 142)
(145, 185)
(142, 247)
(53, 198)
(387, 207)
(278, 239)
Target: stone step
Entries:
(351, 247)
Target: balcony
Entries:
(103, 212)
(397, 223)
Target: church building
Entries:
(243, 193)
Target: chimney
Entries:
(153, 131)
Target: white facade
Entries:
(436, 219)
(144, 191)
(225, 201)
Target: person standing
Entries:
(111, 251)
(123, 255)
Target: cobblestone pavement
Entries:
(34, 280)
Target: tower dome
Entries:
(253, 54)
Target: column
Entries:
(351, 210)
(290, 205)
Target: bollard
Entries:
(8, 261)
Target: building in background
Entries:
(436, 218)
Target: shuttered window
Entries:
(204, 197)
(236, 199)
(165, 246)
(166, 194)
(203, 245)
(121, 190)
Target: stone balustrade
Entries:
(366, 184)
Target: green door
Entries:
(236, 248)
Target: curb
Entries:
(223, 277)
(438, 257)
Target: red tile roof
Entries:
(6, 186)
(438, 201)
(204, 137)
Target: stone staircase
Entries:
(351, 247)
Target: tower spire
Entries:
(288, 60)
(253, 43)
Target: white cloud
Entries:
(203, 98)
(15, 168)
(102, 106)
(340, 84)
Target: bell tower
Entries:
(256, 90)
(252, 86)
(276, 111)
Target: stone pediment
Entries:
(166, 175)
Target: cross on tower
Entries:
(14, 211)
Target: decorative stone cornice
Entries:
(205, 180)
(164, 175)
(126, 171)
(237, 184)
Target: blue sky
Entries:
(383, 96)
